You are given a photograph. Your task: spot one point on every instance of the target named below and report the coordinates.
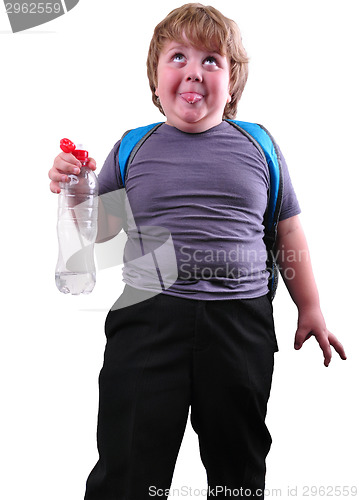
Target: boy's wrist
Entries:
(309, 307)
(305, 297)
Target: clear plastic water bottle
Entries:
(77, 227)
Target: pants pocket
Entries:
(260, 310)
(129, 307)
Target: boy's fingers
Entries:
(325, 347)
(301, 336)
(337, 346)
(58, 176)
(66, 162)
(92, 164)
(325, 340)
(68, 158)
(54, 187)
(63, 167)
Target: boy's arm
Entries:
(108, 225)
(296, 269)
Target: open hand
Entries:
(311, 322)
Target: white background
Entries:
(83, 76)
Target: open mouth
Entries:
(191, 97)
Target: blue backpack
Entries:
(263, 141)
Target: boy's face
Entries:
(193, 86)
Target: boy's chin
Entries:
(192, 113)
(192, 117)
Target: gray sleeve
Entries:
(111, 188)
(290, 205)
(109, 177)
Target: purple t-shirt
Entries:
(202, 196)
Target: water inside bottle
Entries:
(77, 228)
(75, 283)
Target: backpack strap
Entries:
(131, 142)
(261, 138)
(265, 143)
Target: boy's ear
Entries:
(229, 98)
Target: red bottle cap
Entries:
(68, 146)
(80, 154)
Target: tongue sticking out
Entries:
(191, 97)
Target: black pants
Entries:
(163, 356)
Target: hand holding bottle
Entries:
(66, 164)
(77, 184)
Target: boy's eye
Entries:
(178, 57)
(211, 61)
(208, 61)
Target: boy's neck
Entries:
(193, 128)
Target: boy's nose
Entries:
(193, 73)
(194, 77)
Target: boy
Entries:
(208, 341)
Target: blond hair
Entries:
(203, 26)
